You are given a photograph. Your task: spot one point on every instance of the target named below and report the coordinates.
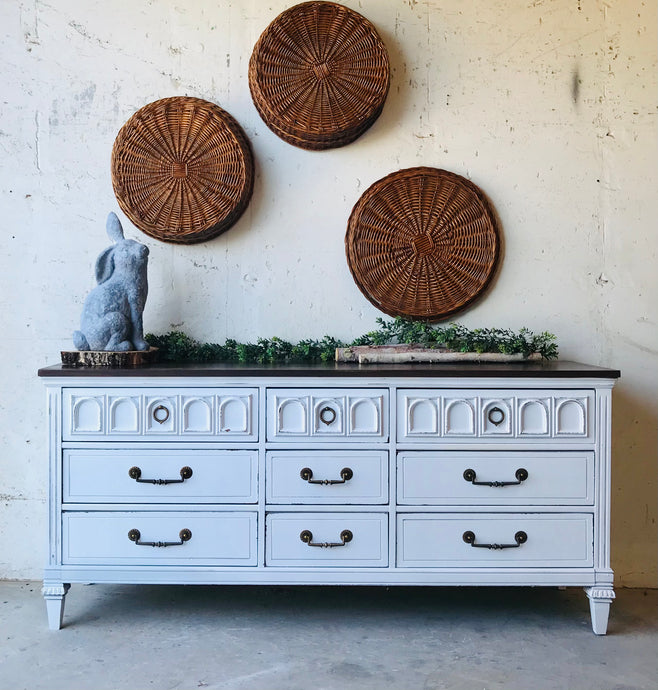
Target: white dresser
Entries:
(331, 474)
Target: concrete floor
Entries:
(317, 638)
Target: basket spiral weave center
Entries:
(422, 245)
(179, 170)
(322, 70)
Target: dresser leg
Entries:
(54, 595)
(600, 599)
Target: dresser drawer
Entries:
(109, 538)
(145, 476)
(227, 414)
(529, 416)
(495, 478)
(451, 540)
(333, 414)
(329, 477)
(327, 539)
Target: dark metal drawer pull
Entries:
(136, 474)
(307, 537)
(307, 475)
(184, 535)
(519, 538)
(496, 416)
(161, 414)
(521, 475)
(327, 415)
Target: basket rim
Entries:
(487, 210)
(239, 145)
(302, 136)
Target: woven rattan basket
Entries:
(422, 243)
(182, 170)
(319, 75)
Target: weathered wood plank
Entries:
(400, 354)
(105, 358)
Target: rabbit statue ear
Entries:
(105, 265)
(113, 227)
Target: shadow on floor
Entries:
(325, 638)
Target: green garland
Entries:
(179, 347)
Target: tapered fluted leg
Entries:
(55, 594)
(600, 599)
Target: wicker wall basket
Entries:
(422, 243)
(319, 75)
(182, 170)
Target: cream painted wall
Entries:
(548, 105)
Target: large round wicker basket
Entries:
(182, 170)
(422, 243)
(319, 75)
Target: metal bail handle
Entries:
(184, 535)
(345, 475)
(521, 475)
(136, 474)
(307, 537)
(520, 538)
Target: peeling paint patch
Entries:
(37, 141)
(30, 41)
(205, 267)
(85, 34)
(86, 95)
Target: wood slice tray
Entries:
(106, 358)
(182, 170)
(422, 243)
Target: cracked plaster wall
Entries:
(548, 105)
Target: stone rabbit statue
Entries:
(112, 313)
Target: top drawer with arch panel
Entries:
(504, 415)
(350, 415)
(148, 414)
